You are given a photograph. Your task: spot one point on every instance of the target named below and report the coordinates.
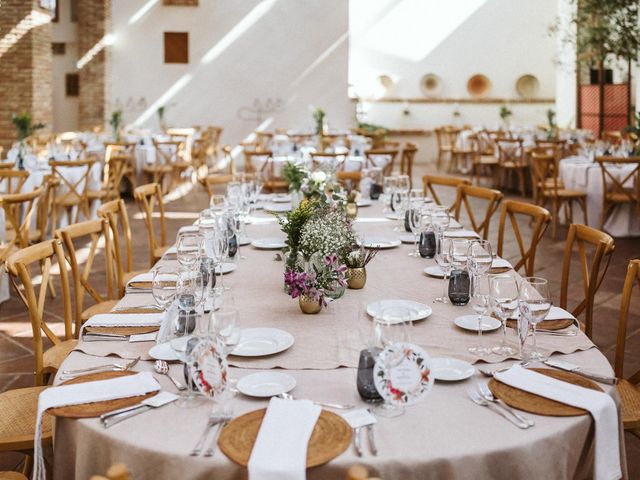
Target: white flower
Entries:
(318, 176)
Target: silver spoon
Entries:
(162, 368)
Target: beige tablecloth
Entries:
(444, 436)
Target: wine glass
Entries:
(479, 257)
(219, 244)
(503, 297)
(404, 184)
(443, 259)
(480, 305)
(188, 248)
(415, 224)
(535, 304)
(389, 185)
(440, 219)
(163, 286)
(391, 329)
(217, 202)
(227, 328)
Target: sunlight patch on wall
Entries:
(33, 20)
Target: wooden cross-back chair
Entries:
(264, 139)
(629, 386)
(349, 180)
(619, 189)
(388, 157)
(12, 181)
(94, 236)
(23, 266)
(407, 157)
(592, 275)
(71, 193)
(614, 137)
(512, 161)
(163, 163)
(213, 134)
(549, 188)
(147, 196)
(112, 176)
(446, 137)
(492, 199)
(261, 162)
(115, 213)
(539, 219)
(124, 149)
(18, 209)
(334, 161)
(431, 181)
(216, 183)
(484, 161)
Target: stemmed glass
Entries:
(227, 329)
(389, 185)
(217, 203)
(440, 219)
(503, 297)
(189, 248)
(535, 303)
(480, 305)
(219, 245)
(415, 224)
(443, 259)
(391, 326)
(479, 257)
(163, 286)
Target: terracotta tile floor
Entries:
(16, 362)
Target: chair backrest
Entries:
(18, 210)
(147, 196)
(612, 136)
(492, 198)
(626, 185)
(544, 170)
(216, 182)
(93, 234)
(115, 212)
(78, 186)
(510, 150)
(114, 170)
(335, 161)
(406, 160)
(539, 219)
(632, 279)
(45, 205)
(259, 161)
(12, 181)
(382, 158)
(264, 139)
(446, 136)
(430, 181)
(349, 179)
(36, 261)
(592, 273)
(169, 152)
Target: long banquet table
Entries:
(445, 436)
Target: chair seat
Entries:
(157, 168)
(97, 194)
(487, 160)
(17, 422)
(619, 197)
(512, 165)
(102, 307)
(53, 357)
(549, 183)
(630, 397)
(68, 200)
(565, 193)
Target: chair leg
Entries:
(583, 204)
(556, 210)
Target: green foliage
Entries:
(292, 223)
(24, 125)
(294, 174)
(318, 117)
(372, 128)
(505, 112)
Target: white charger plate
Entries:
(451, 369)
(419, 311)
(256, 342)
(266, 384)
(278, 207)
(381, 242)
(434, 271)
(269, 243)
(393, 216)
(470, 322)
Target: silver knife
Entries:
(356, 441)
(570, 367)
(371, 438)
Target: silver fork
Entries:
(479, 400)
(224, 420)
(488, 395)
(557, 333)
(213, 420)
(112, 367)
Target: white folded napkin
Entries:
(555, 313)
(126, 320)
(121, 387)
(280, 451)
(501, 263)
(171, 251)
(148, 277)
(600, 405)
(461, 234)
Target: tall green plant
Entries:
(24, 125)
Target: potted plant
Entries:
(505, 115)
(551, 124)
(357, 261)
(25, 128)
(319, 119)
(116, 124)
(294, 174)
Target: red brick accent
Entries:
(180, 3)
(25, 63)
(94, 22)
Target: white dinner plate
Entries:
(364, 202)
(255, 342)
(266, 384)
(470, 322)
(451, 369)
(268, 243)
(434, 271)
(407, 238)
(380, 242)
(418, 310)
(393, 216)
(226, 268)
(163, 351)
(244, 241)
(278, 207)
(281, 198)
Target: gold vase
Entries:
(352, 210)
(309, 305)
(356, 278)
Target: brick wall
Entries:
(25, 63)
(94, 22)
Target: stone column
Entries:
(25, 63)
(94, 24)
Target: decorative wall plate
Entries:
(430, 85)
(478, 86)
(527, 86)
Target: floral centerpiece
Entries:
(316, 185)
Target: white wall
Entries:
(239, 51)
(406, 39)
(65, 109)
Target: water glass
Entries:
(189, 248)
(479, 257)
(443, 259)
(503, 297)
(226, 328)
(163, 286)
(480, 305)
(535, 304)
